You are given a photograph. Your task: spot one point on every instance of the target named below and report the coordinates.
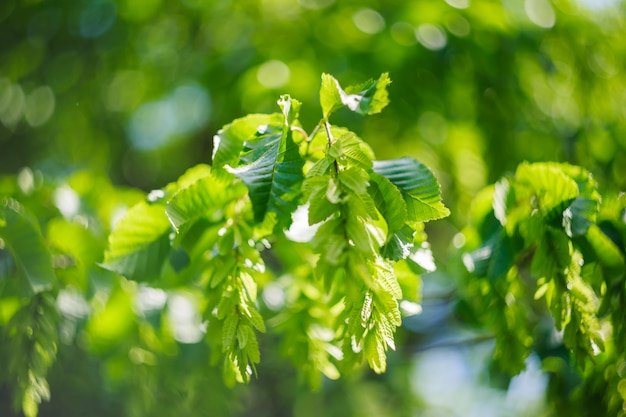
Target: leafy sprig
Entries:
(368, 216)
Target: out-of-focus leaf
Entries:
(22, 237)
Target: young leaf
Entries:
(330, 96)
(203, 198)
(140, 242)
(229, 141)
(418, 186)
(370, 97)
(389, 202)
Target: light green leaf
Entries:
(418, 186)
(23, 238)
(389, 202)
(319, 206)
(139, 244)
(256, 319)
(330, 97)
(368, 98)
(229, 141)
(357, 152)
(206, 197)
(229, 331)
(355, 179)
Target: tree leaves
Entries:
(545, 228)
(368, 214)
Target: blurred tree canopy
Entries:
(102, 101)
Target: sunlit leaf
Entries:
(206, 197)
(330, 97)
(418, 185)
(389, 202)
(229, 141)
(140, 242)
(273, 168)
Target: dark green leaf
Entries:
(272, 173)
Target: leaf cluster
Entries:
(215, 226)
(545, 252)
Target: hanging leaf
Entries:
(273, 169)
(24, 241)
(418, 186)
(140, 243)
(389, 202)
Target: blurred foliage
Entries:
(101, 98)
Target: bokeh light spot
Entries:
(156, 123)
(12, 102)
(125, 91)
(368, 21)
(273, 74)
(67, 201)
(315, 4)
(432, 126)
(540, 12)
(138, 10)
(458, 25)
(403, 33)
(459, 4)
(431, 36)
(97, 18)
(39, 106)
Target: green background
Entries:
(101, 98)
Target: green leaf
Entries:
(356, 152)
(418, 186)
(139, 244)
(274, 169)
(389, 202)
(330, 96)
(23, 239)
(206, 197)
(368, 98)
(229, 331)
(229, 141)
(399, 244)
